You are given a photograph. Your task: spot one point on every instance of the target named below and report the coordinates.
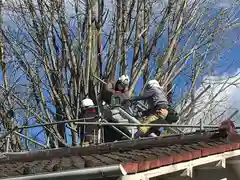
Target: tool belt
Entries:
(161, 106)
(155, 111)
(162, 112)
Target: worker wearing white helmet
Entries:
(157, 101)
(121, 85)
(87, 103)
(124, 80)
(88, 112)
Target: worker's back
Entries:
(158, 97)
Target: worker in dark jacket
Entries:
(112, 87)
(88, 111)
(157, 111)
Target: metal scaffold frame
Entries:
(101, 122)
(201, 126)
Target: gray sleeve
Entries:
(145, 95)
(148, 93)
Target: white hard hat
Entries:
(153, 83)
(124, 79)
(87, 102)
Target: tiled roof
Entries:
(134, 156)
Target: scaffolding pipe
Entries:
(99, 133)
(132, 119)
(31, 140)
(201, 124)
(114, 124)
(130, 124)
(53, 123)
(124, 114)
(83, 174)
(118, 130)
(100, 80)
(7, 143)
(149, 125)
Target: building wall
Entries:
(217, 174)
(228, 173)
(206, 174)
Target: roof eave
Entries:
(188, 166)
(88, 173)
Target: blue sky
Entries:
(233, 55)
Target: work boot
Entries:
(153, 135)
(138, 134)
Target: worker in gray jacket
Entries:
(157, 111)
